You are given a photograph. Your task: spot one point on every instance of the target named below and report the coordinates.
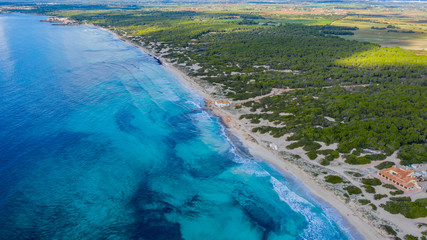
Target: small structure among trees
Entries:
(221, 104)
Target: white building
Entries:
(220, 103)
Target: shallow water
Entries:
(99, 141)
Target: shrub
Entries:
(311, 146)
(329, 154)
(325, 151)
(324, 162)
(389, 230)
(357, 151)
(410, 237)
(312, 155)
(390, 186)
(343, 148)
(422, 201)
(401, 199)
(354, 160)
(371, 181)
(379, 196)
(375, 157)
(255, 121)
(333, 179)
(384, 165)
(295, 145)
(397, 192)
(406, 207)
(335, 154)
(353, 190)
(373, 206)
(329, 158)
(369, 189)
(364, 201)
(420, 225)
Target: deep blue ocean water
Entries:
(99, 141)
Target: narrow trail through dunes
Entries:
(277, 91)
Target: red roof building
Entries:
(401, 178)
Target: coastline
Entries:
(258, 151)
(251, 143)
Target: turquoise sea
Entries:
(99, 141)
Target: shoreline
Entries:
(271, 157)
(260, 152)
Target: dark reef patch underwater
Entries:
(99, 141)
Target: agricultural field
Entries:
(390, 31)
(409, 22)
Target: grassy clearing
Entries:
(384, 58)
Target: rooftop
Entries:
(401, 177)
